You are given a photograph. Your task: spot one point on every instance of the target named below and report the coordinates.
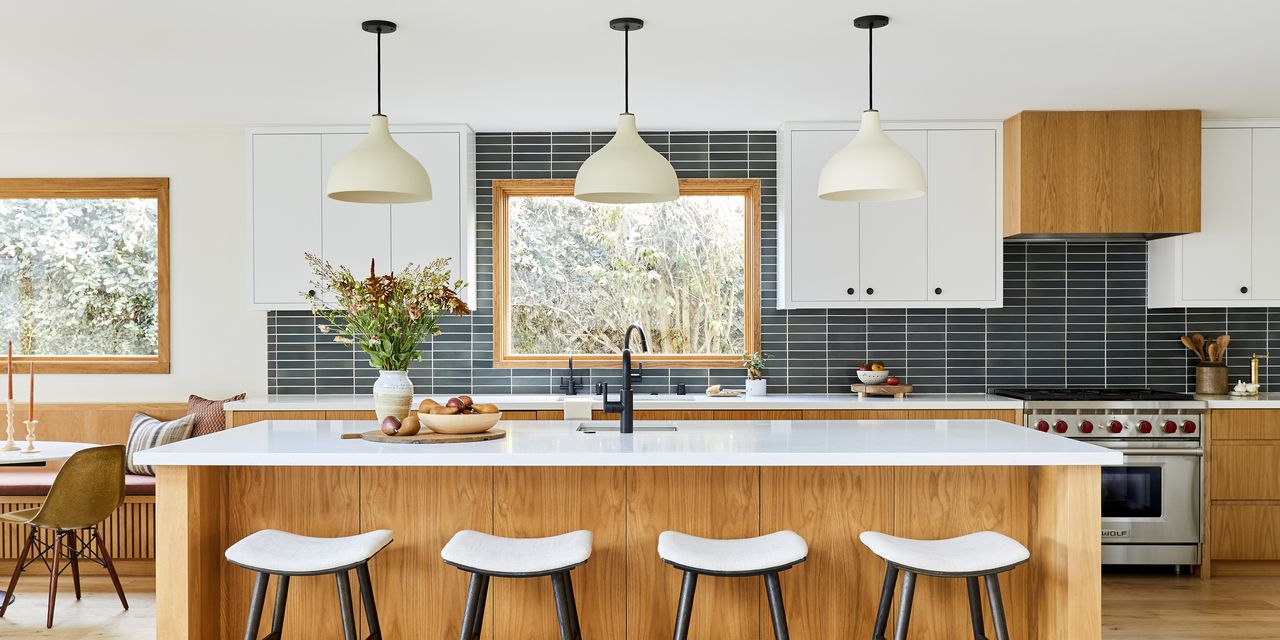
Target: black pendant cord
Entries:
(626, 71)
(871, 69)
(379, 113)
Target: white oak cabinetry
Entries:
(1233, 260)
(941, 250)
(290, 214)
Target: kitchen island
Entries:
(826, 480)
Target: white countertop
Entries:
(691, 402)
(695, 443)
(1263, 400)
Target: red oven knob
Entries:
(1086, 427)
(1042, 425)
(1060, 426)
(1170, 426)
(1115, 426)
(1189, 426)
(1144, 426)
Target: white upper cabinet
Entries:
(1232, 260)
(291, 215)
(285, 191)
(940, 250)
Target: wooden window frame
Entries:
(157, 188)
(747, 188)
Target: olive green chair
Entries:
(86, 491)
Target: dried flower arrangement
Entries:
(386, 315)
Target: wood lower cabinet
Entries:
(1244, 492)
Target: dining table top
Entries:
(46, 451)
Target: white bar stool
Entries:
(763, 556)
(485, 556)
(977, 555)
(282, 554)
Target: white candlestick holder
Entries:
(31, 436)
(9, 444)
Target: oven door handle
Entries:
(1163, 452)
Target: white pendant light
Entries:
(872, 168)
(379, 171)
(626, 170)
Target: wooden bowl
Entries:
(460, 422)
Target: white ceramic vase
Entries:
(757, 387)
(392, 394)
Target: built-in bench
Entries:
(130, 532)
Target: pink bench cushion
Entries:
(37, 483)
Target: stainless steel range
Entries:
(1152, 504)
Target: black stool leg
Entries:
(573, 606)
(345, 604)
(370, 607)
(277, 616)
(255, 606)
(904, 608)
(561, 591)
(478, 623)
(773, 588)
(684, 613)
(975, 608)
(997, 606)
(475, 595)
(886, 601)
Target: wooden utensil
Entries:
(1191, 346)
(1223, 341)
(1198, 341)
(1214, 352)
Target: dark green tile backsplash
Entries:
(1075, 312)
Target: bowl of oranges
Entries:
(872, 373)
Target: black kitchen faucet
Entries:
(625, 406)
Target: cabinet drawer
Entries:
(1245, 532)
(1244, 424)
(1245, 471)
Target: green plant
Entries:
(754, 362)
(388, 315)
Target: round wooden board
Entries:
(431, 437)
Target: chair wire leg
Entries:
(975, 608)
(886, 601)
(904, 608)
(684, 613)
(255, 606)
(277, 614)
(73, 554)
(17, 570)
(344, 602)
(773, 588)
(997, 606)
(370, 606)
(53, 576)
(474, 592)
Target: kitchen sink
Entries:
(610, 427)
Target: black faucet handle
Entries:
(638, 374)
(609, 405)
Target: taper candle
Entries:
(31, 401)
(10, 369)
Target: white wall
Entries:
(217, 345)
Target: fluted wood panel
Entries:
(129, 532)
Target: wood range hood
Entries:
(1085, 174)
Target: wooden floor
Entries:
(1135, 606)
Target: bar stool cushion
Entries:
(483, 553)
(743, 555)
(281, 552)
(972, 554)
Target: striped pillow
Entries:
(146, 432)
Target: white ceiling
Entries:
(71, 65)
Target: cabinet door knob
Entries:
(850, 291)
(937, 291)
(870, 291)
(1244, 289)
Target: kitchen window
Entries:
(569, 276)
(84, 274)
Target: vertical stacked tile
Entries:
(926, 357)
(1126, 308)
(1167, 360)
(1007, 326)
(966, 351)
(1086, 308)
(1046, 314)
(887, 338)
(807, 351)
(846, 347)
(1210, 323)
(1248, 331)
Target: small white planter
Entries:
(757, 387)
(392, 394)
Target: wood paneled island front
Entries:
(826, 480)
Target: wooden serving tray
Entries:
(431, 437)
(897, 390)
